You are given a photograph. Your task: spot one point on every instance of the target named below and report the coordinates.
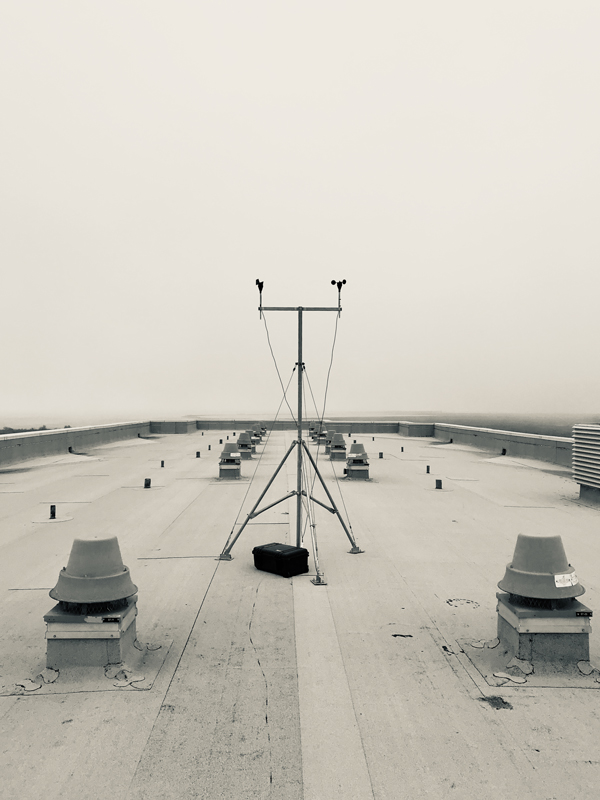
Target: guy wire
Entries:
(259, 460)
(264, 316)
(323, 416)
(320, 423)
(317, 457)
(305, 476)
(330, 365)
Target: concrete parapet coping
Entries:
(16, 447)
(340, 425)
(416, 428)
(443, 426)
(173, 426)
(69, 430)
(552, 449)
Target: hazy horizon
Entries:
(478, 419)
(159, 158)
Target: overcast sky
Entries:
(159, 157)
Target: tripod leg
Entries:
(355, 548)
(225, 555)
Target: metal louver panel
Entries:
(586, 455)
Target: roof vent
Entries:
(586, 455)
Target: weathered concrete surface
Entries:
(275, 687)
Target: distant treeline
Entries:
(6, 429)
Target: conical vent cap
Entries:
(95, 573)
(338, 438)
(358, 450)
(230, 447)
(244, 438)
(540, 569)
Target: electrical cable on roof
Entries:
(264, 316)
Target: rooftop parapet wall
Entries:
(173, 426)
(15, 447)
(342, 426)
(241, 424)
(553, 449)
(415, 428)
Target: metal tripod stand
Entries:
(299, 443)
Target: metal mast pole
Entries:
(299, 468)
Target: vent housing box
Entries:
(586, 460)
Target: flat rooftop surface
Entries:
(250, 685)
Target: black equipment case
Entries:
(282, 559)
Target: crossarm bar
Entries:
(266, 508)
(318, 502)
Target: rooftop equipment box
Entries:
(281, 559)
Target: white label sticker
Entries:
(570, 579)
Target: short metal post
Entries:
(197, 453)
(427, 469)
(147, 483)
(438, 483)
(162, 463)
(52, 512)
(380, 455)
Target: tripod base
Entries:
(319, 580)
(224, 557)
(356, 550)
